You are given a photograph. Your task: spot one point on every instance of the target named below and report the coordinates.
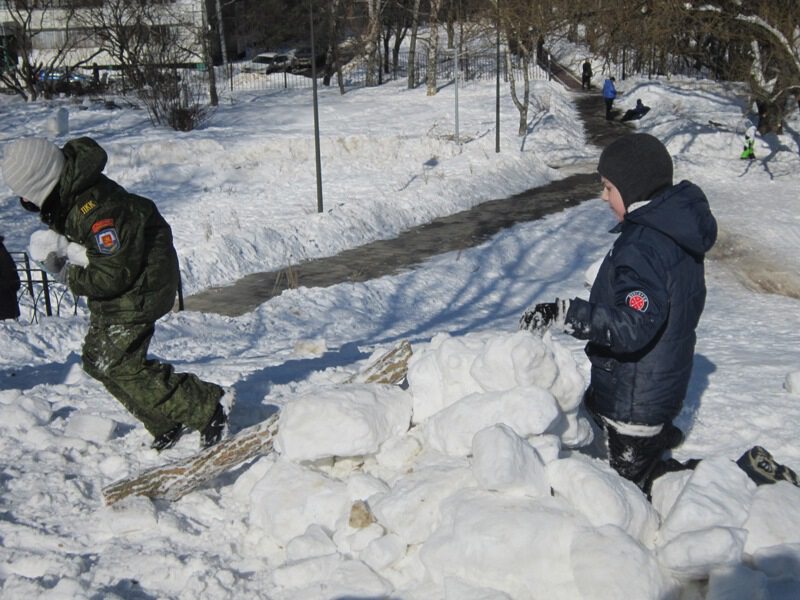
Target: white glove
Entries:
(44, 242)
(76, 255)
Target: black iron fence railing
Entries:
(471, 67)
(40, 295)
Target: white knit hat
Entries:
(32, 168)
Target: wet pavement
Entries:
(455, 232)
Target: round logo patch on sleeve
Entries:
(105, 236)
(638, 300)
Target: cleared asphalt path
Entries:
(455, 232)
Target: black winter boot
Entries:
(169, 438)
(217, 427)
(214, 431)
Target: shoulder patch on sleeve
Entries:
(105, 236)
(637, 300)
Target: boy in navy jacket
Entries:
(644, 305)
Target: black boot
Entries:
(217, 427)
(761, 467)
(169, 438)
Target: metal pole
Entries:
(497, 92)
(316, 111)
(455, 61)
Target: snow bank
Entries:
(477, 490)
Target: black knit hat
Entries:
(638, 165)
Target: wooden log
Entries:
(176, 479)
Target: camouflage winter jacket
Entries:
(132, 276)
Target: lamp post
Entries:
(497, 91)
(455, 64)
(316, 111)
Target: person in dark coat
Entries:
(644, 305)
(633, 114)
(609, 94)
(120, 256)
(586, 75)
(9, 284)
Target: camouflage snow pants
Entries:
(116, 355)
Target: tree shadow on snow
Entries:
(28, 377)
(252, 390)
(698, 384)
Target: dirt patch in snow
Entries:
(756, 268)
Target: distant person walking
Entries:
(609, 93)
(586, 75)
(9, 285)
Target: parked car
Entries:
(270, 62)
(64, 81)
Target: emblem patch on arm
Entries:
(637, 300)
(105, 236)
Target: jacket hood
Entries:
(84, 164)
(682, 213)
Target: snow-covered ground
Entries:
(471, 488)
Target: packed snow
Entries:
(470, 482)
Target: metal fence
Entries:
(40, 295)
(471, 67)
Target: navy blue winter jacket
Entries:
(644, 307)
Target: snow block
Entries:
(517, 545)
(694, 554)
(503, 461)
(314, 424)
(420, 493)
(527, 411)
(718, 494)
(774, 517)
(90, 428)
(289, 498)
(627, 570)
(603, 497)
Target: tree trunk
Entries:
(433, 47)
(522, 105)
(371, 47)
(331, 54)
(412, 48)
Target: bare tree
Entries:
(397, 19)
(526, 25)
(150, 42)
(412, 48)
(433, 48)
(755, 41)
(372, 36)
(34, 50)
(771, 68)
(332, 51)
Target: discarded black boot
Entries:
(761, 467)
(169, 438)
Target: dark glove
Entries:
(53, 263)
(544, 315)
(63, 274)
